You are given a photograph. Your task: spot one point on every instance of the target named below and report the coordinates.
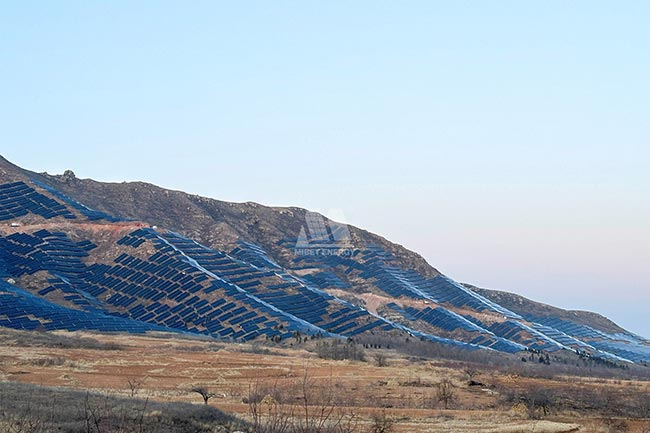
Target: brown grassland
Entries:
(261, 384)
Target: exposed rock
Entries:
(68, 176)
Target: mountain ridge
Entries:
(520, 304)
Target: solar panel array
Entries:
(22, 310)
(172, 289)
(325, 279)
(628, 346)
(282, 291)
(18, 199)
(374, 264)
(166, 289)
(183, 286)
(164, 281)
(517, 331)
(439, 317)
(450, 322)
(562, 338)
(91, 214)
(23, 253)
(253, 254)
(513, 332)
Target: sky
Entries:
(507, 142)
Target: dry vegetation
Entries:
(116, 383)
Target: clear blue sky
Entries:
(507, 142)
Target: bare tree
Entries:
(306, 406)
(24, 421)
(539, 402)
(643, 408)
(381, 360)
(317, 405)
(205, 393)
(95, 414)
(381, 423)
(445, 392)
(134, 385)
(471, 373)
(615, 425)
(337, 349)
(268, 410)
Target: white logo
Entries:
(321, 237)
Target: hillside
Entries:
(214, 223)
(138, 258)
(532, 309)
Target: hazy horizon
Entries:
(506, 143)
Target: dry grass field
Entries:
(256, 382)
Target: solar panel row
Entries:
(89, 213)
